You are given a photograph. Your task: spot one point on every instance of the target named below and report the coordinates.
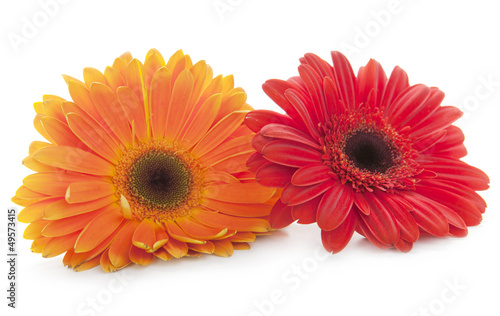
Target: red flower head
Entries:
(366, 154)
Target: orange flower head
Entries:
(147, 160)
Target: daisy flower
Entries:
(147, 160)
(369, 154)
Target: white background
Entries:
(449, 44)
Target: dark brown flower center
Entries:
(369, 151)
(161, 179)
(158, 181)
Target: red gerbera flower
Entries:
(366, 154)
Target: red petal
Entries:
(289, 133)
(432, 103)
(257, 119)
(467, 211)
(345, 80)
(403, 245)
(314, 85)
(280, 215)
(306, 212)
(407, 104)
(380, 221)
(441, 119)
(451, 145)
(311, 174)
(305, 110)
(408, 227)
(289, 153)
(275, 89)
(371, 78)
(255, 161)
(334, 206)
(427, 215)
(273, 175)
(455, 170)
(336, 240)
(398, 81)
(294, 195)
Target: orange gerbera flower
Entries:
(148, 160)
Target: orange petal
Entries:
(163, 254)
(220, 177)
(238, 209)
(91, 75)
(67, 257)
(120, 248)
(176, 232)
(176, 63)
(198, 230)
(154, 61)
(176, 248)
(160, 91)
(85, 191)
(202, 121)
(113, 114)
(199, 72)
(214, 87)
(38, 244)
(161, 238)
(61, 133)
(227, 83)
(59, 245)
(144, 235)
(69, 225)
(228, 148)
(113, 77)
(81, 96)
(35, 145)
(34, 212)
(53, 183)
(62, 209)
(37, 123)
(88, 264)
(241, 246)
(22, 202)
(235, 163)
(223, 248)
(82, 258)
(98, 230)
(233, 101)
(25, 193)
(178, 107)
(205, 248)
(51, 106)
(219, 132)
(134, 110)
(105, 263)
(74, 159)
(139, 256)
(251, 192)
(242, 237)
(218, 220)
(135, 76)
(34, 230)
(94, 136)
(31, 163)
(121, 65)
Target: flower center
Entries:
(363, 149)
(159, 181)
(369, 151)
